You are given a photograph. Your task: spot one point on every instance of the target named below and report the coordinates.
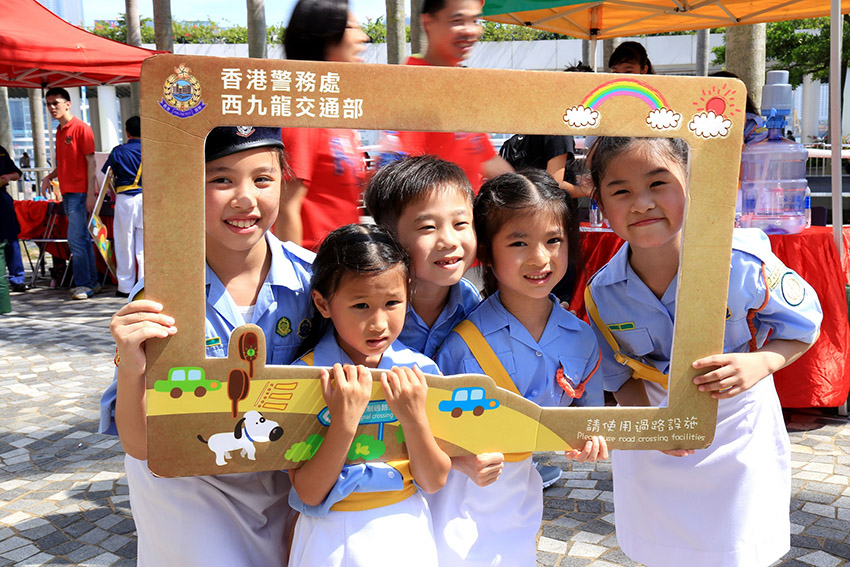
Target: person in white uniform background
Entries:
(126, 163)
(366, 513)
(490, 511)
(251, 277)
(728, 504)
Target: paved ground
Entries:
(63, 498)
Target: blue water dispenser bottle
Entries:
(773, 171)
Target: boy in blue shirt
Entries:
(427, 203)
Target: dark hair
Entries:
(751, 106)
(607, 148)
(58, 92)
(631, 52)
(398, 184)
(579, 67)
(510, 194)
(133, 126)
(432, 6)
(351, 250)
(315, 25)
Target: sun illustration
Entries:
(720, 101)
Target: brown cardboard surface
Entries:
(706, 112)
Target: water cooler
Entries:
(773, 171)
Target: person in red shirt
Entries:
(75, 168)
(453, 29)
(328, 166)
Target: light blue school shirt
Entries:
(282, 310)
(463, 299)
(360, 477)
(566, 342)
(792, 310)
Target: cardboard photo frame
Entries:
(184, 97)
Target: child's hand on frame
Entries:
(734, 373)
(135, 323)
(596, 449)
(406, 390)
(347, 390)
(483, 469)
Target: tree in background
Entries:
(162, 26)
(256, 29)
(134, 37)
(800, 47)
(397, 32)
(187, 32)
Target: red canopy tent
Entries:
(38, 49)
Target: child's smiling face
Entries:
(367, 312)
(643, 195)
(242, 199)
(530, 255)
(438, 233)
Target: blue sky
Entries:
(223, 12)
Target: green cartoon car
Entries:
(186, 379)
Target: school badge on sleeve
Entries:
(792, 289)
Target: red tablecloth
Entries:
(32, 216)
(821, 377)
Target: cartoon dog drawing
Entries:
(252, 428)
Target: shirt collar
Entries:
(281, 273)
(328, 352)
(454, 303)
(619, 269)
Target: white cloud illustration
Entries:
(663, 119)
(581, 117)
(710, 125)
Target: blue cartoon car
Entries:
(468, 399)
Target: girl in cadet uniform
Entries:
(728, 504)
(522, 338)
(366, 513)
(251, 277)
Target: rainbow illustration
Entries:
(625, 87)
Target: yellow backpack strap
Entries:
(135, 185)
(483, 353)
(492, 367)
(639, 369)
(308, 358)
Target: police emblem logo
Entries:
(793, 290)
(181, 94)
(244, 131)
(304, 329)
(284, 326)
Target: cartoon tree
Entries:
(367, 448)
(304, 450)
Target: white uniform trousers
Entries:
(209, 521)
(727, 505)
(389, 536)
(128, 235)
(491, 526)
